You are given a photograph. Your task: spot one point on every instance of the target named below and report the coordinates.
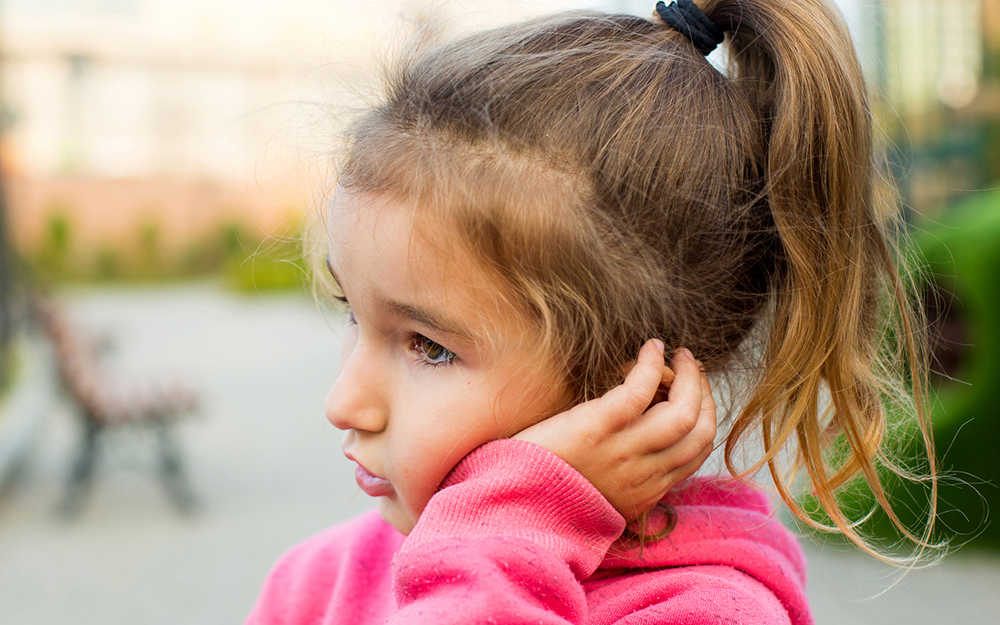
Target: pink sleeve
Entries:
(513, 533)
(692, 595)
(508, 539)
(336, 576)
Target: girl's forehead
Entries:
(380, 248)
(397, 230)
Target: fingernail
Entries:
(659, 345)
(687, 352)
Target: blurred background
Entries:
(161, 431)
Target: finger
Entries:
(667, 377)
(675, 418)
(667, 425)
(685, 395)
(686, 470)
(686, 385)
(688, 447)
(631, 398)
(661, 481)
(677, 465)
(696, 444)
(708, 414)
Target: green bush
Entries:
(962, 256)
(243, 257)
(274, 264)
(963, 259)
(8, 369)
(54, 250)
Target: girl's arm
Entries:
(509, 537)
(519, 524)
(514, 533)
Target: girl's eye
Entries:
(350, 313)
(432, 353)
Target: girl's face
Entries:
(435, 360)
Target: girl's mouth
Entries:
(372, 485)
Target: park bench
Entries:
(105, 404)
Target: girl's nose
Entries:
(358, 397)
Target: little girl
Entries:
(529, 223)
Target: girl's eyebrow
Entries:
(414, 313)
(423, 317)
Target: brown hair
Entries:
(627, 189)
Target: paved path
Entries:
(269, 472)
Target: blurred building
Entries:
(942, 106)
(124, 113)
(125, 116)
(934, 53)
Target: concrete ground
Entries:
(268, 471)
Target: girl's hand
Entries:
(632, 446)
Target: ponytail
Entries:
(624, 189)
(839, 298)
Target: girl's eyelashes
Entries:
(430, 353)
(350, 313)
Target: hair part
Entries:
(625, 189)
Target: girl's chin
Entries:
(393, 514)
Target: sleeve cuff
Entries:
(516, 489)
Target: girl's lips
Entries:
(372, 485)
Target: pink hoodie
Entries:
(516, 535)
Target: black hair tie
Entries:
(688, 20)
